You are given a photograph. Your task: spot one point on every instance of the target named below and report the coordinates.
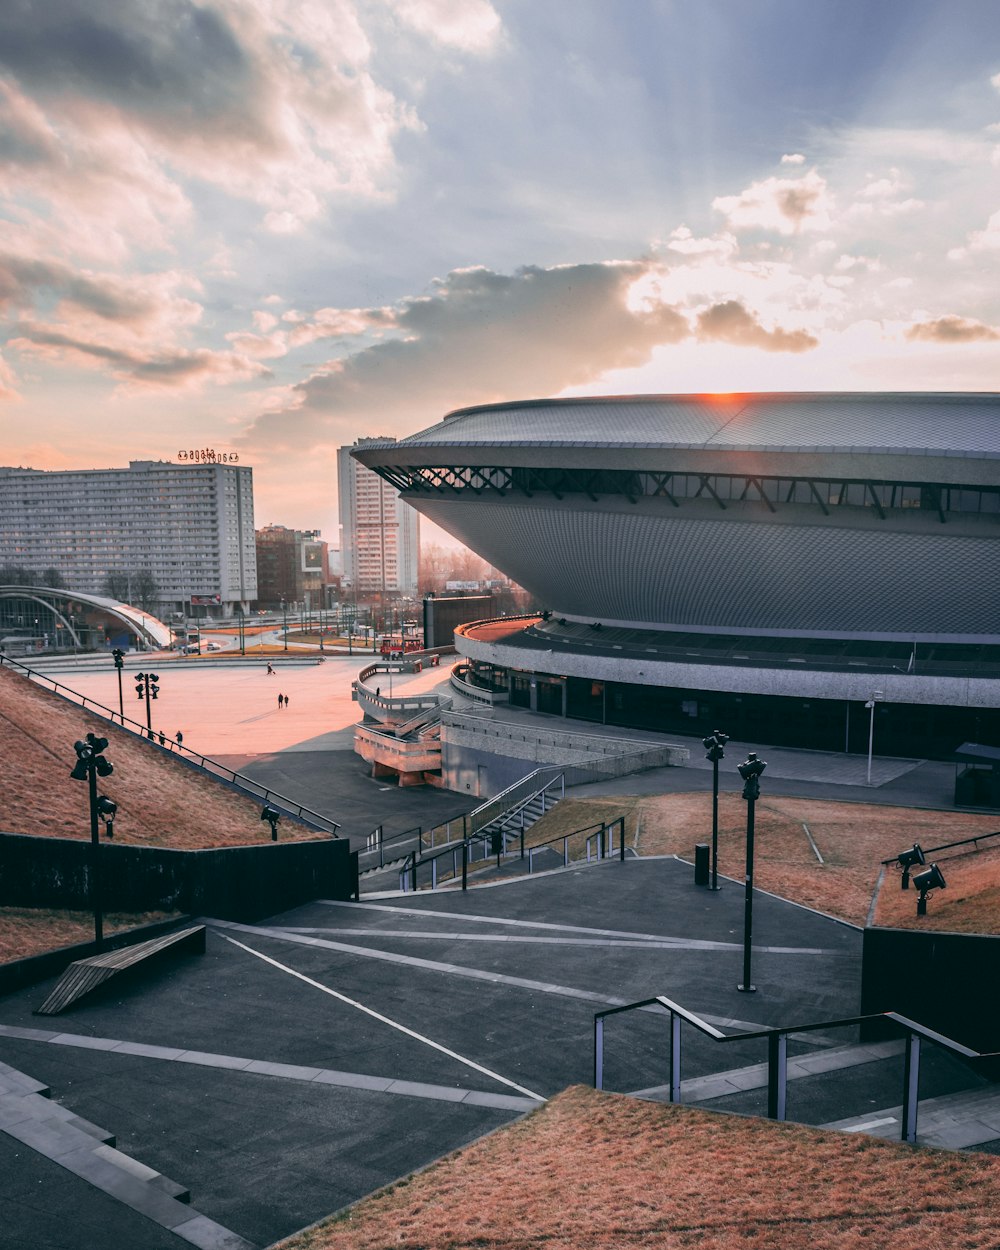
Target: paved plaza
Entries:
(303, 1061)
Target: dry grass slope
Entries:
(592, 1171)
(161, 801)
(853, 839)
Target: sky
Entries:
(271, 227)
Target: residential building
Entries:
(187, 526)
(292, 567)
(380, 536)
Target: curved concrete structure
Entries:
(795, 521)
(76, 614)
(815, 515)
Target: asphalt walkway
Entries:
(302, 1062)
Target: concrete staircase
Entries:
(959, 1120)
(28, 1114)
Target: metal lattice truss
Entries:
(724, 489)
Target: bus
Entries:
(393, 646)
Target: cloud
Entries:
(479, 336)
(952, 329)
(986, 240)
(732, 323)
(469, 25)
(785, 205)
(719, 246)
(139, 301)
(272, 101)
(162, 369)
(793, 158)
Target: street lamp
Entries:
(284, 621)
(713, 745)
(91, 764)
(750, 770)
(119, 658)
(146, 687)
(870, 705)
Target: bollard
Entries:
(701, 854)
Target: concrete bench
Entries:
(87, 974)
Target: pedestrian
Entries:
(281, 701)
(270, 670)
(378, 692)
(163, 739)
(286, 700)
(179, 738)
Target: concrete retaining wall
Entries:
(946, 981)
(244, 883)
(483, 756)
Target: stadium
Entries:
(770, 564)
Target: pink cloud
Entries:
(785, 205)
(952, 329)
(730, 322)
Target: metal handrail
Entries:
(240, 780)
(482, 815)
(947, 846)
(777, 1051)
(415, 860)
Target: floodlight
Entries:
(931, 878)
(273, 817)
(907, 860)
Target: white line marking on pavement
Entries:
(605, 943)
(469, 1063)
(660, 939)
(863, 1128)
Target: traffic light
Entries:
(119, 657)
(140, 679)
(714, 744)
(153, 687)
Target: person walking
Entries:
(163, 739)
(281, 701)
(286, 700)
(179, 738)
(270, 669)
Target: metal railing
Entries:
(947, 846)
(239, 781)
(493, 844)
(515, 795)
(777, 1051)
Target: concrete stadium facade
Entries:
(796, 547)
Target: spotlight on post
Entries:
(146, 688)
(107, 809)
(930, 879)
(750, 770)
(714, 744)
(907, 860)
(118, 655)
(91, 764)
(273, 818)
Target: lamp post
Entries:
(876, 695)
(714, 744)
(284, 621)
(91, 764)
(146, 687)
(750, 770)
(243, 636)
(119, 658)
